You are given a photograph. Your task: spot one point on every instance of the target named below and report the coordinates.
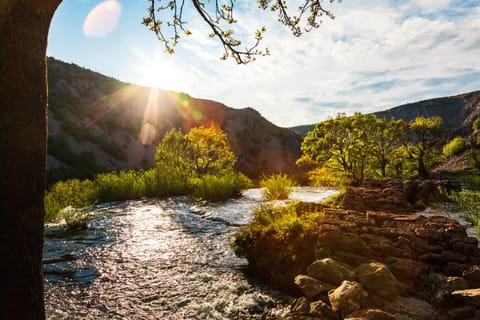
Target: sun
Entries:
(159, 71)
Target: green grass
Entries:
(135, 184)
(277, 186)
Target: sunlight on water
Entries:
(158, 259)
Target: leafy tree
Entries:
(424, 134)
(209, 152)
(24, 29)
(387, 139)
(172, 166)
(357, 145)
(199, 162)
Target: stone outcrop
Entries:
(397, 265)
(395, 196)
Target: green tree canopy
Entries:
(359, 145)
(423, 135)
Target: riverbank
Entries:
(373, 258)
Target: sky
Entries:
(373, 56)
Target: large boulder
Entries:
(376, 278)
(347, 298)
(331, 271)
(312, 287)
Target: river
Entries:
(160, 259)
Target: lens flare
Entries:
(102, 19)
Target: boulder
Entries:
(320, 309)
(347, 298)
(375, 277)
(470, 297)
(312, 287)
(331, 271)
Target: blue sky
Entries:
(371, 57)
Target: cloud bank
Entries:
(369, 58)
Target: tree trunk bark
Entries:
(24, 28)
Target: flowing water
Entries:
(159, 259)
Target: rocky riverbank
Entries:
(378, 264)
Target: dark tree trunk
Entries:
(24, 28)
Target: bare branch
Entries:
(222, 16)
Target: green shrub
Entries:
(476, 124)
(218, 187)
(277, 186)
(279, 241)
(469, 202)
(455, 146)
(74, 217)
(118, 186)
(73, 193)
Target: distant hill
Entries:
(458, 112)
(97, 123)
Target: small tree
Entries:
(424, 134)
(199, 163)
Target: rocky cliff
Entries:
(97, 123)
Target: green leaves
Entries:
(365, 146)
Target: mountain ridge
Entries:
(457, 111)
(97, 123)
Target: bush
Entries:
(455, 146)
(279, 242)
(74, 217)
(469, 201)
(219, 187)
(277, 186)
(119, 186)
(476, 124)
(73, 193)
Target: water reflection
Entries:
(159, 259)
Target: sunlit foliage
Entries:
(360, 146)
(277, 186)
(455, 146)
(423, 136)
(73, 193)
(364, 146)
(199, 163)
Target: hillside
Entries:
(457, 112)
(97, 123)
